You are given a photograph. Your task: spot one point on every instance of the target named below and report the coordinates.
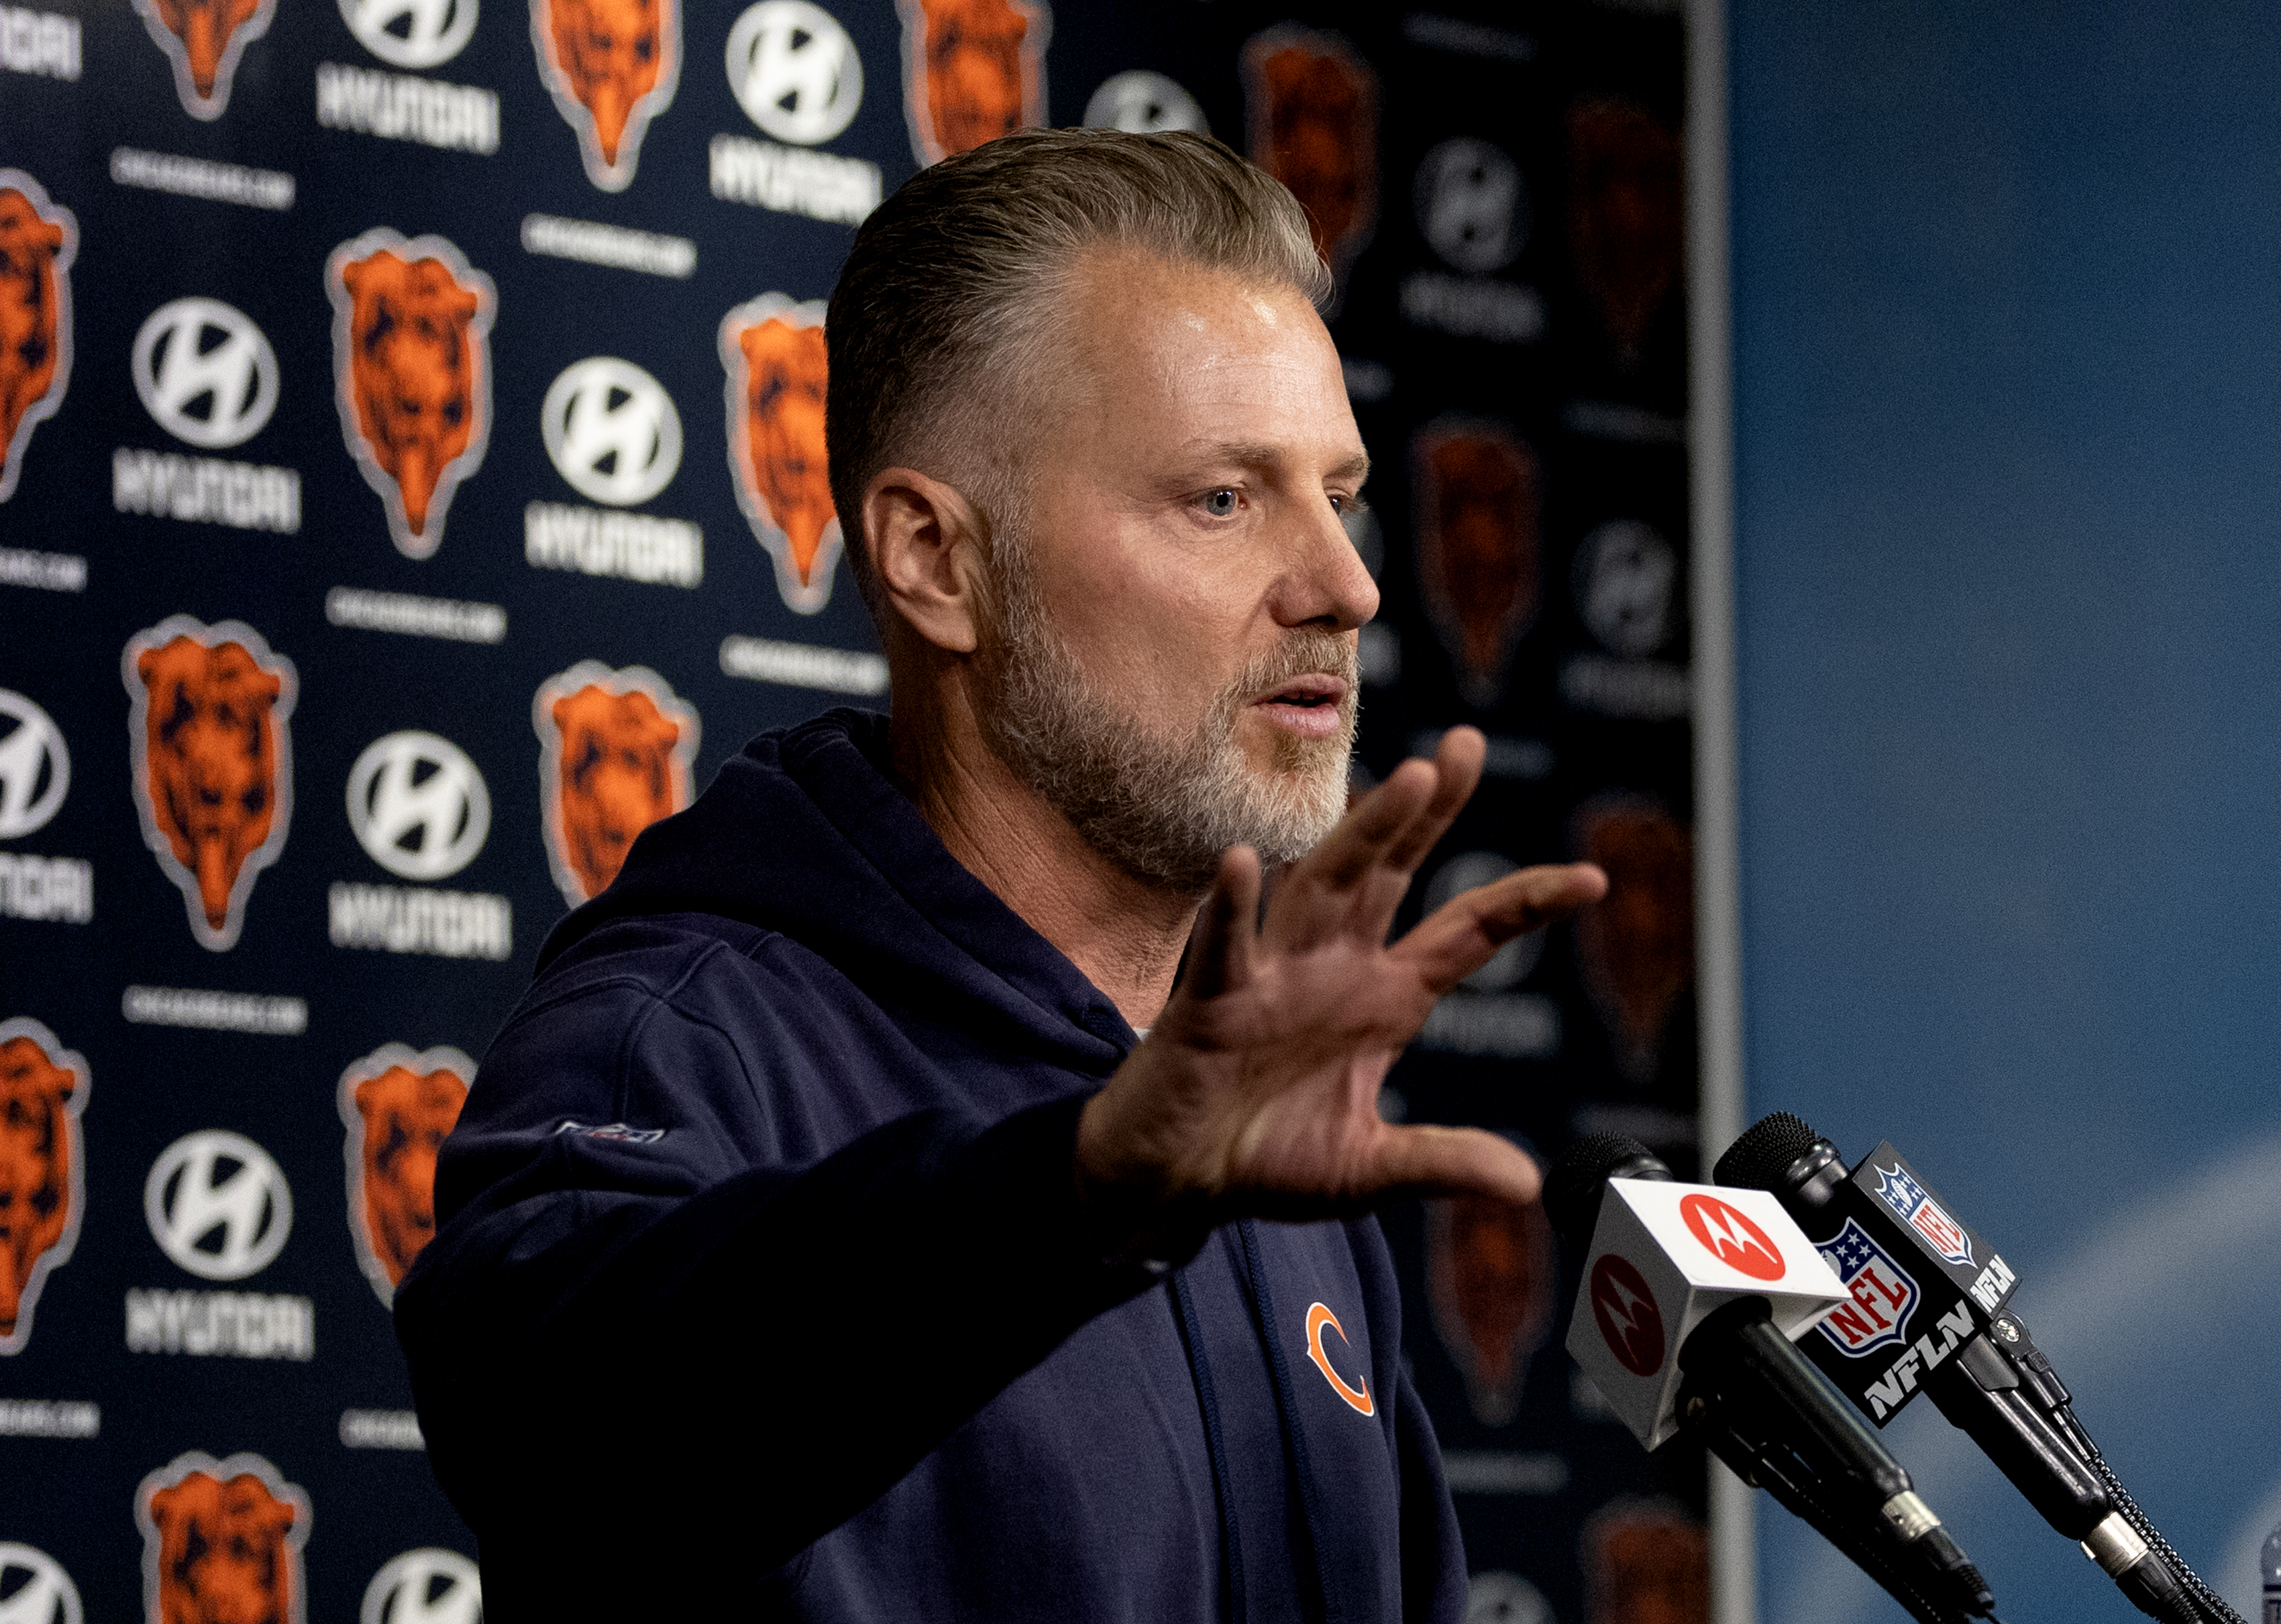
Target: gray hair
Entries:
(943, 311)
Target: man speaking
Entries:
(854, 1222)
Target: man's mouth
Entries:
(1310, 706)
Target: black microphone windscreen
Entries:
(1572, 1188)
(1758, 1160)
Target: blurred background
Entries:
(1824, 449)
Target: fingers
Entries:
(1435, 1161)
(1460, 937)
(1219, 948)
(1458, 764)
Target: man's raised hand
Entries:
(1255, 1093)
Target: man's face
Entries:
(1171, 662)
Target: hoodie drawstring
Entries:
(1286, 1406)
(1231, 1544)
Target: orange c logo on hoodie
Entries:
(412, 324)
(1358, 1399)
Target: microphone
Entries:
(1926, 1310)
(1690, 1301)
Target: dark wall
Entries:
(360, 606)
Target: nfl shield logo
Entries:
(1884, 1295)
(1905, 1195)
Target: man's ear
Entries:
(927, 544)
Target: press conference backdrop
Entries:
(413, 485)
(2006, 365)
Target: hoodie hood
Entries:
(806, 834)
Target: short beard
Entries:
(1162, 808)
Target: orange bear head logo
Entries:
(221, 1542)
(412, 324)
(1476, 491)
(974, 70)
(1311, 104)
(42, 1091)
(203, 39)
(1488, 1273)
(617, 749)
(38, 241)
(774, 352)
(613, 66)
(1647, 1562)
(399, 1105)
(214, 771)
(1637, 943)
(1625, 216)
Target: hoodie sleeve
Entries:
(629, 1286)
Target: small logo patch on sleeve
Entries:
(617, 1130)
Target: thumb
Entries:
(1436, 1161)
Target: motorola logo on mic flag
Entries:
(612, 432)
(1921, 1212)
(398, 1105)
(221, 1539)
(1729, 1234)
(213, 762)
(1311, 104)
(206, 373)
(418, 805)
(1625, 1311)
(411, 33)
(38, 241)
(1140, 102)
(612, 66)
(427, 1585)
(1471, 207)
(34, 768)
(1626, 578)
(35, 1589)
(974, 70)
(218, 1205)
(204, 40)
(43, 1177)
(794, 71)
(1883, 1294)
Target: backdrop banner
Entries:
(412, 485)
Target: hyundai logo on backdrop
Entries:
(34, 768)
(611, 430)
(218, 1205)
(430, 34)
(206, 373)
(794, 71)
(418, 805)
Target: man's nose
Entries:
(1326, 584)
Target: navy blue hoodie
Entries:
(760, 1287)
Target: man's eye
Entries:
(1220, 504)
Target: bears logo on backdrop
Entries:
(38, 241)
(411, 323)
(1488, 1273)
(203, 39)
(1311, 102)
(42, 1177)
(617, 751)
(1646, 1562)
(398, 1105)
(1636, 944)
(611, 66)
(1477, 508)
(221, 1542)
(213, 762)
(774, 353)
(974, 70)
(1625, 223)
